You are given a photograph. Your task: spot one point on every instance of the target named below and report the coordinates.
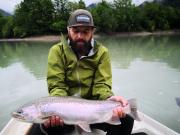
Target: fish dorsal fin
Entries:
(85, 126)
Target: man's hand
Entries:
(119, 112)
(54, 121)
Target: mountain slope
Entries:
(4, 13)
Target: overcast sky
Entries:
(9, 5)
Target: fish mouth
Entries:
(18, 116)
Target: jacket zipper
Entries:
(79, 81)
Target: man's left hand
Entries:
(119, 112)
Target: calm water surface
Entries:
(147, 68)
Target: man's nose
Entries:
(80, 35)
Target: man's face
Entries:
(80, 34)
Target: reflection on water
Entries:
(126, 50)
(22, 75)
(32, 55)
(147, 68)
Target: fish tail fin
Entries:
(133, 109)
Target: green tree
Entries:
(61, 15)
(122, 4)
(76, 5)
(81, 4)
(33, 17)
(45, 16)
(171, 16)
(73, 6)
(155, 17)
(173, 3)
(59, 26)
(124, 11)
(177, 21)
(2, 23)
(61, 9)
(104, 17)
(7, 30)
(134, 20)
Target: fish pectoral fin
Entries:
(114, 121)
(47, 116)
(85, 126)
(42, 119)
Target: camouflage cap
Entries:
(80, 17)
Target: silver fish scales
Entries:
(76, 111)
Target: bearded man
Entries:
(80, 66)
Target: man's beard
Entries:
(80, 47)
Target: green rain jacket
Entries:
(88, 77)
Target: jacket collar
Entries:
(93, 50)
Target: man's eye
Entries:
(76, 31)
(85, 31)
(81, 31)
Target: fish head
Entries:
(28, 113)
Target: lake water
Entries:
(147, 68)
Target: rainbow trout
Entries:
(73, 111)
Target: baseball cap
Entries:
(80, 17)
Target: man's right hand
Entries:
(54, 121)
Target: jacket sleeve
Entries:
(56, 73)
(103, 78)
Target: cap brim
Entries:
(84, 25)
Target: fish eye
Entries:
(20, 111)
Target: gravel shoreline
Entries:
(46, 38)
(54, 38)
